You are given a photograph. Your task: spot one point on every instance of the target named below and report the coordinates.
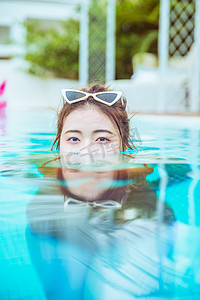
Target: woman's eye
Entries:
(73, 139)
(103, 139)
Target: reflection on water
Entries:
(117, 230)
(120, 228)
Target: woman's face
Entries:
(90, 133)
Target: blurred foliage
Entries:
(53, 50)
(136, 32)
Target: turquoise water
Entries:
(113, 231)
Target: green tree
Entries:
(53, 50)
(136, 32)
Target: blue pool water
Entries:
(142, 241)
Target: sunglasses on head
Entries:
(108, 97)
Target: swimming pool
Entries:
(142, 241)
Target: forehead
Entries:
(88, 118)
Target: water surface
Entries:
(110, 230)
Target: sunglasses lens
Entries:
(107, 97)
(71, 96)
(71, 202)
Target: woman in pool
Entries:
(92, 129)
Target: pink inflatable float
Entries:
(2, 89)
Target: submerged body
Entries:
(125, 246)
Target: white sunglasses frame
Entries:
(111, 203)
(94, 95)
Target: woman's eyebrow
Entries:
(103, 130)
(73, 131)
(95, 131)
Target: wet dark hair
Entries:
(116, 113)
